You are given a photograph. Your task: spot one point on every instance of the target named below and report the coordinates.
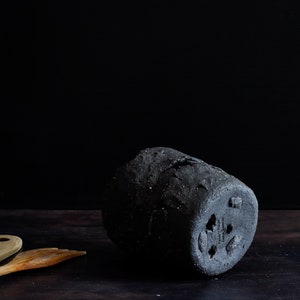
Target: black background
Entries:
(87, 84)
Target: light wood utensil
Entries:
(9, 245)
(38, 258)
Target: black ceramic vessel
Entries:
(171, 207)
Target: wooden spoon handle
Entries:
(38, 258)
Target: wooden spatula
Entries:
(38, 258)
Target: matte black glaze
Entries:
(170, 207)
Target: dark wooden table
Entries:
(269, 270)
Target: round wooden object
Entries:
(9, 245)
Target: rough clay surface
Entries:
(172, 207)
